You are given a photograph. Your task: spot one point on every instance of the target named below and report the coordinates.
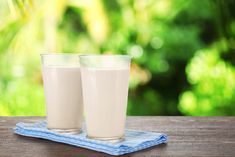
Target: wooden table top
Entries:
(188, 136)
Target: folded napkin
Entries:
(134, 140)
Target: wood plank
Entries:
(188, 136)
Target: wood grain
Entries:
(188, 136)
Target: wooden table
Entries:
(188, 136)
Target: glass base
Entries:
(66, 131)
(108, 139)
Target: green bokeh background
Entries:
(183, 51)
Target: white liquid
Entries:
(105, 93)
(63, 92)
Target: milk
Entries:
(105, 93)
(63, 93)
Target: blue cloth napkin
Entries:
(134, 140)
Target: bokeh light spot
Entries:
(156, 43)
(136, 51)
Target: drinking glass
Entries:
(63, 92)
(105, 92)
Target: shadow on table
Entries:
(152, 151)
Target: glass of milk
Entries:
(63, 92)
(105, 91)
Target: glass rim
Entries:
(104, 56)
(59, 54)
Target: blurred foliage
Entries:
(183, 51)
